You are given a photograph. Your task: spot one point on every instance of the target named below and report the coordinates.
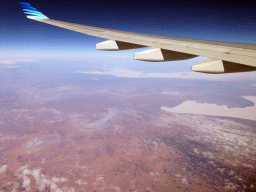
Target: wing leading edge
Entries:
(224, 57)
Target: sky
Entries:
(22, 38)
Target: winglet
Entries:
(31, 12)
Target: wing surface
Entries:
(223, 56)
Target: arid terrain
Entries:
(65, 131)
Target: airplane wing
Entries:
(224, 57)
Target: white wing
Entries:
(224, 57)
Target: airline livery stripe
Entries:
(31, 11)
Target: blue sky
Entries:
(211, 20)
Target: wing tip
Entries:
(31, 12)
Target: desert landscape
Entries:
(69, 131)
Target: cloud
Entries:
(12, 63)
(3, 169)
(231, 138)
(9, 66)
(192, 107)
(15, 61)
(42, 181)
(26, 183)
(173, 93)
(119, 72)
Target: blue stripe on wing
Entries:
(32, 12)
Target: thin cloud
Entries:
(3, 169)
(15, 61)
(42, 181)
(12, 63)
(181, 75)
